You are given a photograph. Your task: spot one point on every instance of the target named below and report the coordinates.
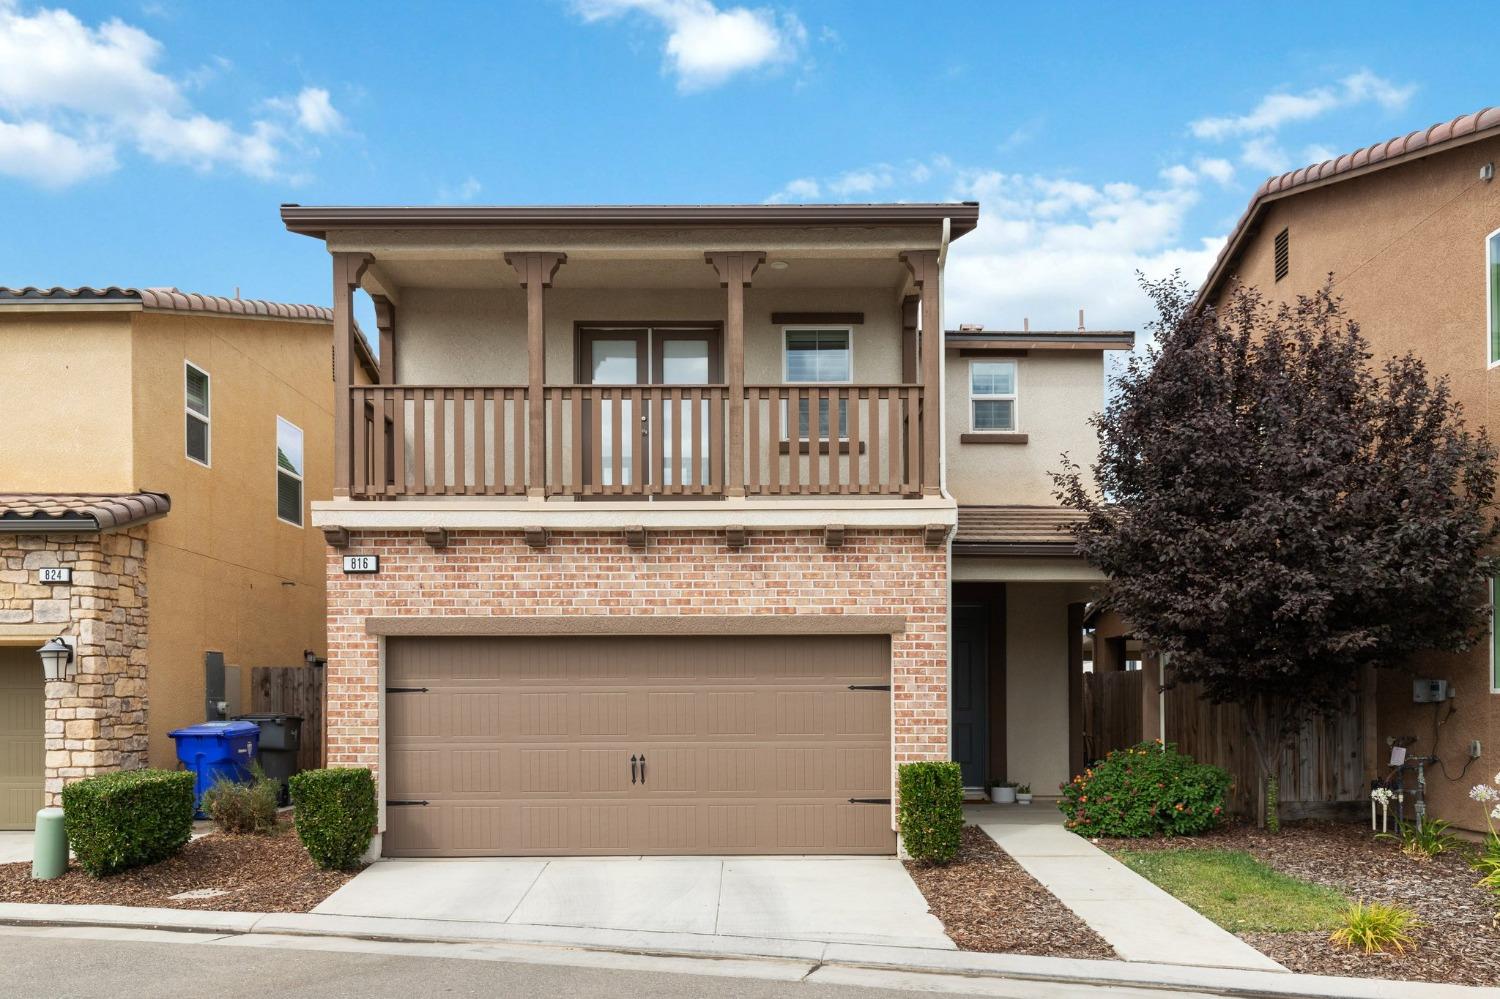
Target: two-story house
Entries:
(1408, 231)
(159, 456)
(642, 543)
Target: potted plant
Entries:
(1004, 792)
(1023, 794)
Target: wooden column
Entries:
(536, 270)
(909, 338)
(385, 322)
(347, 270)
(735, 268)
(924, 271)
(1150, 696)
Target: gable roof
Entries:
(164, 299)
(58, 513)
(1437, 138)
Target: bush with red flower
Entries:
(1149, 789)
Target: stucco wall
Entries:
(227, 575)
(1405, 246)
(1056, 393)
(1036, 683)
(65, 403)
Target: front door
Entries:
(656, 356)
(971, 673)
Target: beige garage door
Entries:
(524, 746)
(22, 750)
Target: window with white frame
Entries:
(819, 356)
(195, 393)
(288, 472)
(1492, 292)
(992, 396)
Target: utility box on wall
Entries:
(1425, 691)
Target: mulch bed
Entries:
(256, 873)
(987, 902)
(1460, 943)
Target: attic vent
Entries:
(1283, 260)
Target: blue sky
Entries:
(150, 143)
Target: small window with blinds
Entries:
(195, 392)
(1283, 253)
(288, 472)
(1492, 297)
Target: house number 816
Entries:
(361, 563)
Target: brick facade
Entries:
(679, 572)
(96, 720)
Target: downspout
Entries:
(940, 408)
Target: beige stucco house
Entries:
(656, 531)
(160, 455)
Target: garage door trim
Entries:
(544, 625)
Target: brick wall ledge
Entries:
(638, 624)
(518, 515)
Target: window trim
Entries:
(1014, 396)
(1494, 637)
(207, 416)
(301, 477)
(786, 378)
(1489, 297)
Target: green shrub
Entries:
(1431, 840)
(335, 814)
(1487, 862)
(1149, 789)
(1376, 928)
(931, 814)
(244, 808)
(127, 819)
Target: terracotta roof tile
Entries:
(1016, 525)
(79, 511)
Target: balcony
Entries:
(637, 441)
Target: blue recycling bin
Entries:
(216, 749)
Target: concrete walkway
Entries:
(868, 900)
(1138, 919)
(15, 846)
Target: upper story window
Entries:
(992, 395)
(195, 392)
(819, 356)
(288, 472)
(1492, 292)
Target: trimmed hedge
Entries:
(1149, 789)
(130, 818)
(931, 814)
(335, 814)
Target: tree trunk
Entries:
(1266, 725)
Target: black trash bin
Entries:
(280, 742)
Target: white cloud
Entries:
(1279, 109)
(1264, 154)
(706, 45)
(803, 189)
(465, 190)
(71, 96)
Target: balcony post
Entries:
(385, 322)
(923, 265)
(735, 269)
(536, 270)
(348, 268)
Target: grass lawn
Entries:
(1237, 891)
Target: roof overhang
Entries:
(79, 513)
(1040, 340)
(316, 221)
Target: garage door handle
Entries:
(869, 801)
(869, 686)
(632, 768)
(643, 768)
(406, 690)
(398, 803)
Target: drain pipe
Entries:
(940, 407)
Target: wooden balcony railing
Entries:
(636, 440)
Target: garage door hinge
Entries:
(869, 801)
(393, 804)
(869, 686)
(406, 690)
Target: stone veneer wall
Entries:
(96, 721)
(679, 572)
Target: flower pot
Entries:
(1004, 795)
(1024, 799)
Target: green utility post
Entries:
(49, 857)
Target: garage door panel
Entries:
(22, 743)
(522, 746)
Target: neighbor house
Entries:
(159, 455)
(1408, 232)
(645, 543)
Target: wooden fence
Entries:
(293, 690)
(1111, 711)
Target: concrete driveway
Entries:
(868, 900)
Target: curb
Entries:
(965, 964)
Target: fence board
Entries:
(293, 690)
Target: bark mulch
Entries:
(255, 873)
(987, 902)
(1459, 943)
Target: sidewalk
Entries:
(954, 971)
(1138, 919)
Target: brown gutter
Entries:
(1005, 549)
(316, 221)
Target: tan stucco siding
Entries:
(1036, 680)
(1056, 393)
(228, 575)
(65, 403)
(1405, 246)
